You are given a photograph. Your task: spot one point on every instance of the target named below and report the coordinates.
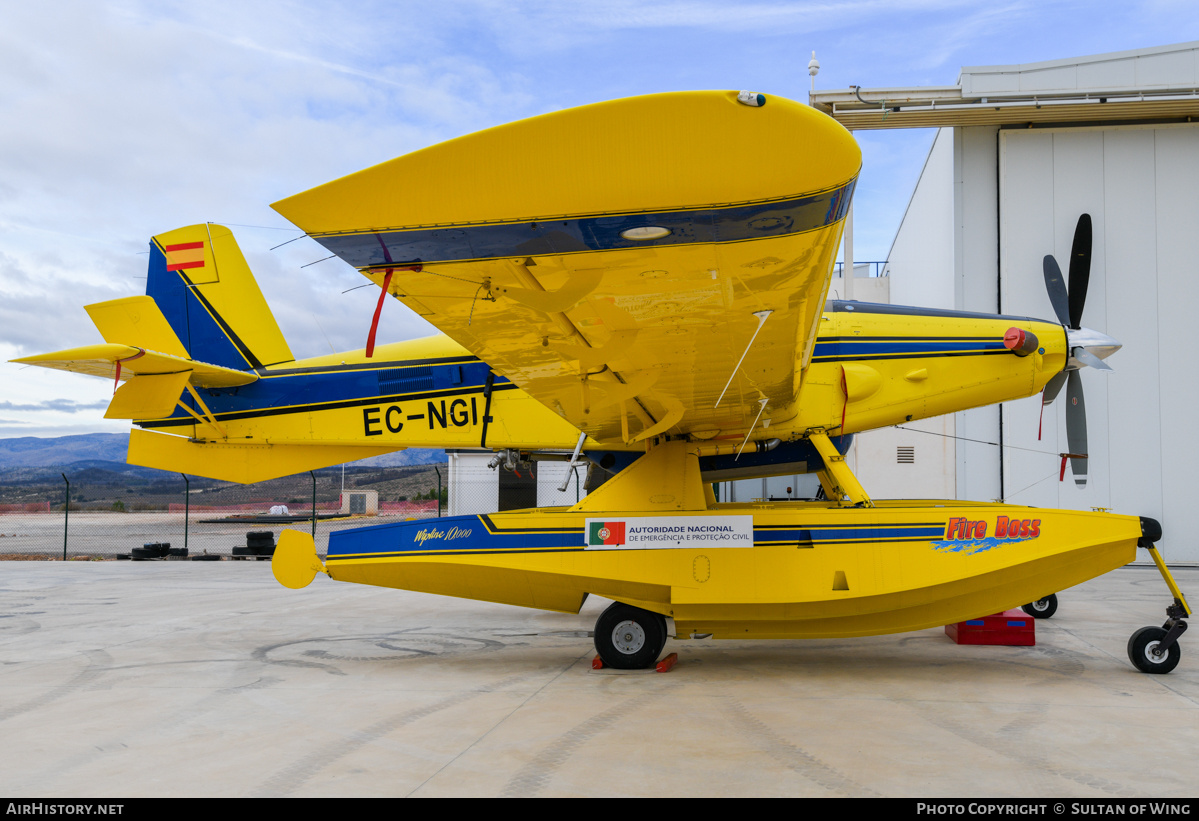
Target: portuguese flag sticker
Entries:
(605, 533)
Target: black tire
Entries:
(629, 638)
(1140, 646)
(1042, 608)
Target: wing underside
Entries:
(637, 342)
(648, 266)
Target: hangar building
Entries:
(1020, 153)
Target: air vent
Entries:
(905, 455)
(405, 380)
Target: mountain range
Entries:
(62, 451)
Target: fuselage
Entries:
(872, 365)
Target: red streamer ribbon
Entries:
(370, 338)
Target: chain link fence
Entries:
(96, 514)
(189, 517)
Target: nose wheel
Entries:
(1155, 649)
(629, 638)
(1149, 651)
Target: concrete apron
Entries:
(209, 679)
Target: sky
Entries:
(120, 120)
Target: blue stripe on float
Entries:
(467, 535)
(863, 534)
(598, 233)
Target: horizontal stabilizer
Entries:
(244, 463)
(100, 360)
(152, 396)
(136, 320)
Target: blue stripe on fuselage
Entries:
(296, 390)
(836, 349)
(299, 389)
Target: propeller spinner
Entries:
(1087, 347)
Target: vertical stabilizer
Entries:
(204, 288)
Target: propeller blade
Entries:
(1080, 269)
(1076, 428)
(1053, 388)
(1087, 358)
(1056, 286)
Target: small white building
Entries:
(360, 503)
(477, 488)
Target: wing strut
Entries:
(574, 461)
(208, 418)
(761, 407)
(762, 316)
(838, 480)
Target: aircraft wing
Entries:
(646, 266)
(626, 346)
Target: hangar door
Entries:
(1140, 184)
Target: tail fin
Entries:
(203, 323)
(204, 288)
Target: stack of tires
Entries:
(154, 551)
(260, 545)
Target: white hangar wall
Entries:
(920, 263)
(917, 460)
(1023, 150)
(1015, 196)
(975, 288)
(1140, 184)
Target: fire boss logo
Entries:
(960, 529)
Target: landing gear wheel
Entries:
(1042, 608)
(629, 638)
(1141, 647)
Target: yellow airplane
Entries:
(642, 284)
